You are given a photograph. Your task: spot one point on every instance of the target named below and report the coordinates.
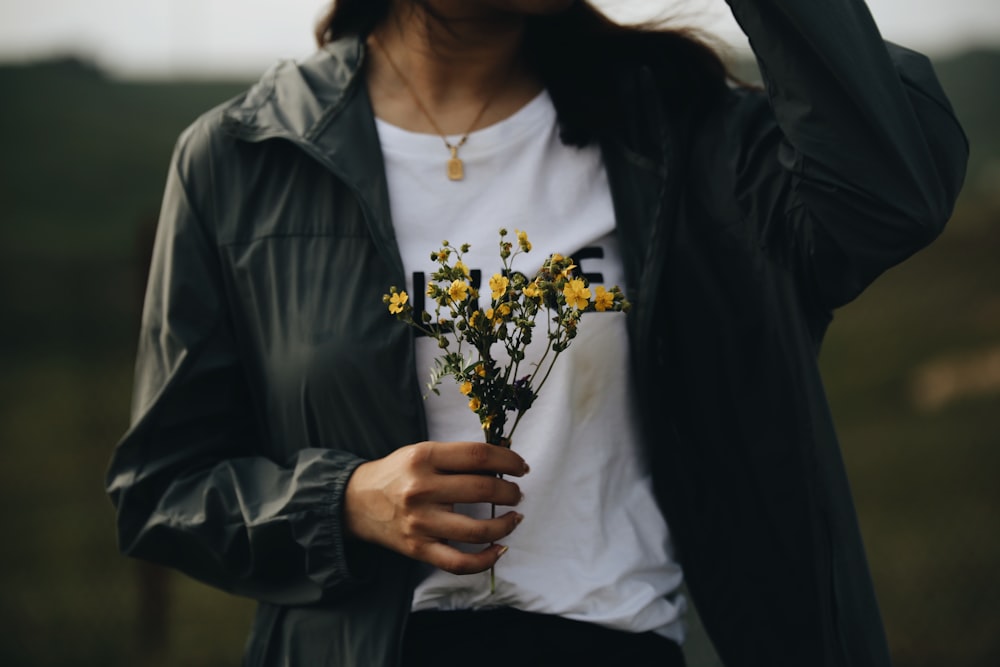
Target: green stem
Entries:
(546, 376)
(498, 440)
(493, 574)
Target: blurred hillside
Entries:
(913, 370)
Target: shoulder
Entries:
(697, 109)
(290, 99)
(739, 121)
(201, 140)
(602, 73)
(688, 83)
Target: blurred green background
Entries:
(913, 370)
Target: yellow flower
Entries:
(480, 370)
(458, 290)
(565, 273)
(522, 240)
(603, 300)
(396, 302)
(474, 404)
(532, 290)
(576, 293)
(497, 316)
(465, 388)
(460, 265)
(499, 285)
(475, 317)
(487, 422)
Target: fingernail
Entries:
(518, 518)
(502, 551)
(527, 469)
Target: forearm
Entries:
(245, 525)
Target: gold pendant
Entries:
(456, 170)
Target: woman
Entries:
(280, 448)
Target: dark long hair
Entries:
(580, 55)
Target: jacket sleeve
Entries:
(870, 155)
(189, 481)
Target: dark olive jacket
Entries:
(268, 368)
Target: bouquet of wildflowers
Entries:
(469, 335)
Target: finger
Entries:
(476, 457)
(460, 528)
(451, 489)
(452, 560)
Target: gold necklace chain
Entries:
(455, 167)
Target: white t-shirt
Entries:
(593, 545)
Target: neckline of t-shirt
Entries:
(533, 118)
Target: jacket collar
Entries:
(321, 104)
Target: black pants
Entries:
(512, 638)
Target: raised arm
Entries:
(873, 155)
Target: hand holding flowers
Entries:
(471, 336)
